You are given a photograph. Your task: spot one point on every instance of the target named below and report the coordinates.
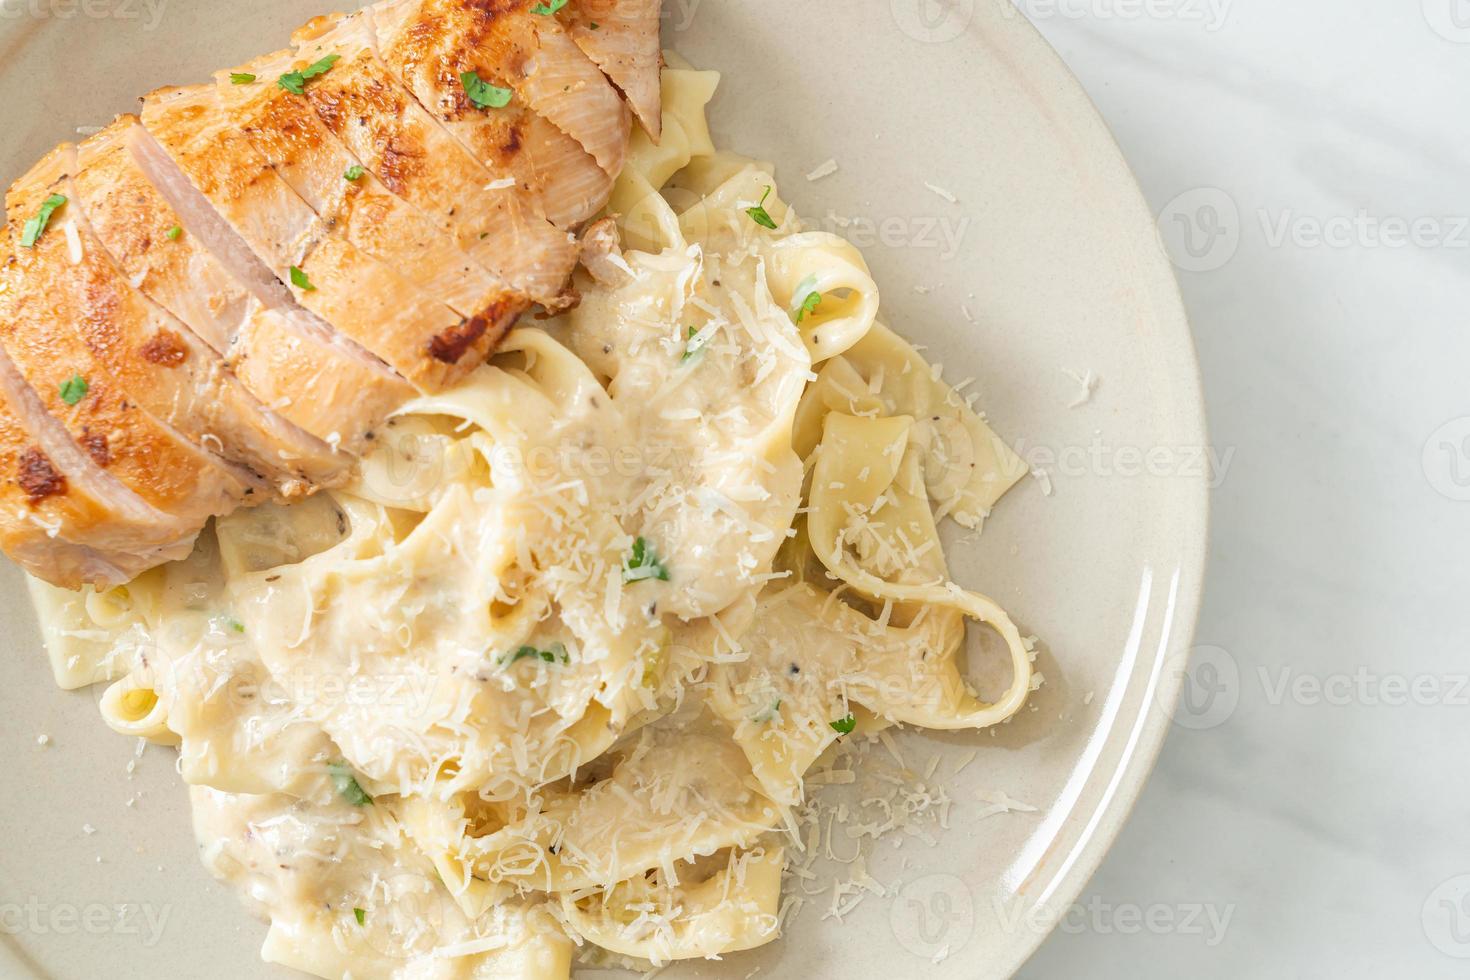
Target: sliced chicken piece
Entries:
(38, 503)
(622, 38)
(425, 341)
(286, 131)
(42, 301)
(229, 246)
(146, 239)
(560, 82)
(276, 331)
(310, 376)
(174, 267)
(35, 500)
(171, 372)
(62, 516)
(519, 49)
(430, 344)
(160, 466)
(570, 185)
(368, 108)
(565, 180)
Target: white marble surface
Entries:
(1319, 803)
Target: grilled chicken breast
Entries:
(216, 303)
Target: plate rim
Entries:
(1162, 688)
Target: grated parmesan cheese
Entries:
(1086, 382)
(74, 252)
(823, 170)
(941, 192)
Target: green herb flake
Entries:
(233, 624)
(295, 81)
(174, 233)
(844, 726)
(345, 782)
(547, 9)
(241, 78)
(299, 280)
(644, 564)
(594, 25)
(74, 389)
(809, 305)
(759, 214)
(693, 347)
(770, 714)
(483, 94)
(354, 172)
(37, 225)
(556, 653)
(360, 915)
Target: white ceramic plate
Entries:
(1049, 247)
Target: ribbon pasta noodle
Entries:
(546, 681)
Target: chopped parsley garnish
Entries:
(355, 172)
(231, 623)
(547, 9)
(644, 564)
(809, 305)
(295, 81)
(693, 347)
(346, 784)
(241, 78)
(594, 25)
(557, 653)
(74, 389)
(34, 227)
(769, 714)
(174, 233)
(759, 214)
(482, 93)
(299, 280)
(360, 915)
(844, 726)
